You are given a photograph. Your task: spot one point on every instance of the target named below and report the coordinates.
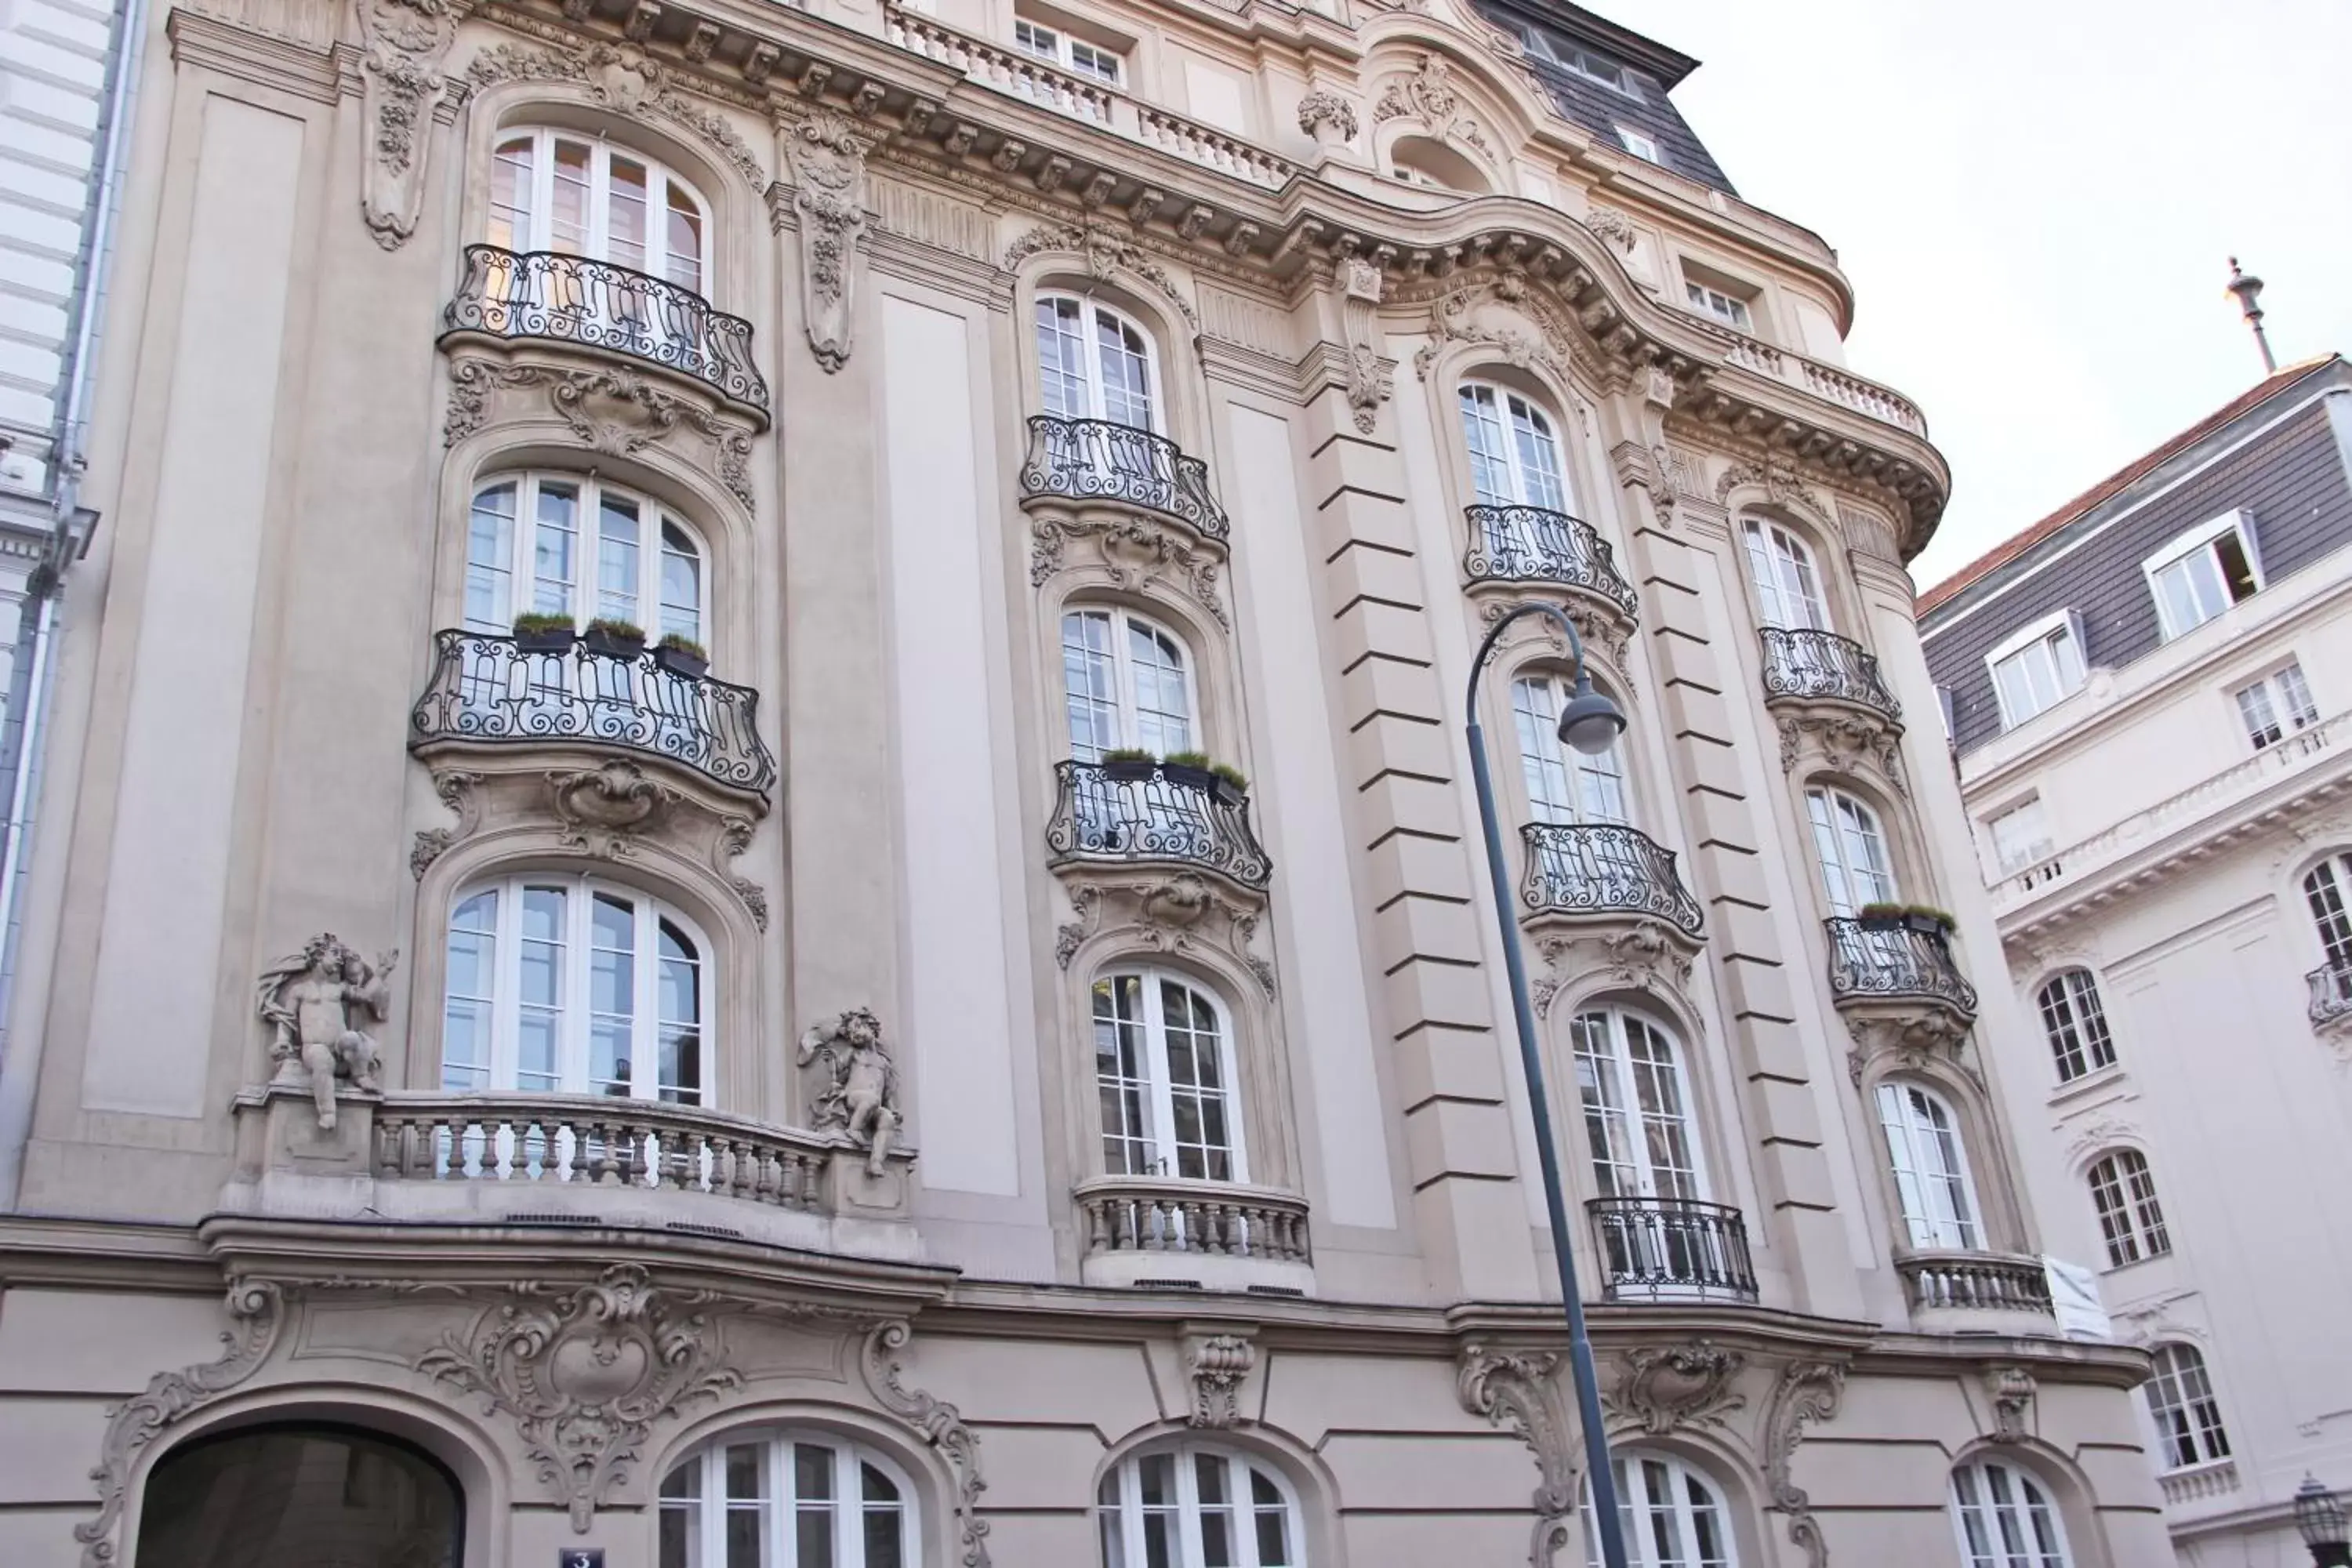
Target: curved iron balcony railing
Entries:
(1097, 459)
(1673, 1248)
(1532, 544)
(484, 688)
(1869, 961)
(2331, 992)
(1600, 867)
(1105, 812)
(574, 300)
(1803, 662)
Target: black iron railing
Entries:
(572, 300)
(485, 689)
(1531, 545)
(1096, 459)
(1598, 868)
(2331, 992)
(1107, 810)
(1800, 662)
(1671, 1247)
(1869, 960)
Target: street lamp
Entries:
(2319, 1520)
(1588, 723)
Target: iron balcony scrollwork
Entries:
(1869, 961)
(1601, 868)
(2331, 992)
(1532, 544)
(1100, 459)
(484, 688)
(1801, 661)
(1673, 1247)
(575, 300)
(1102, 816)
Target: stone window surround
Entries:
(1991, 1182)
(1180, 387)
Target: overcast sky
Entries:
(2035, 201)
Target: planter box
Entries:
(679, 661)
(1189, 777)
(1882, 922)
(611, 647)
(545, 642)
(1926, 925)
(1231, 794)
(1130, 772)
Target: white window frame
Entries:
(1062, 49)
(1159, 1098)
(2276, 690)
(2182, 545)
(2039, 850)
(1938, 1201)
(1717, 305)
(780, 1506)
(2016, 1518)
(1092, 313)
(1640, 143)
(1578, 61)
(518, 581)
(2047, 634)
(2081, 1042)
(1790, 592)
(2182, 1380)
(597, 244)
(1550, 769)
(1126, 1515)
(1845, 827)
(1634, 1114)
(1517, 474)
(1636, 1472)
(2123, 1200)
(1127, 709)
(2327, 894)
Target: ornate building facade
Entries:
(983, 1043)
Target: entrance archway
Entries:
(307, 1496)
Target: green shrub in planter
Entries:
(681, 655)
(535, 632)
(1233, 784)
(615, 638)
(1128, 762)
(1188, 770)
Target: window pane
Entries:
(612, 995)
(886, 1538)
(1061, 359)
(1125, 376)
(1120, 1072)
(1490, 458)
(624, 223)
(469, 996)
(616, 558)
(681, 586)
(683, 238)
(510, 227)
(490, 560)
(568, 228)
(555, 536)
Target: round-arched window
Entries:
(1787, 585)
(582, 196)
(297, 1496)
(1851, 848)
(1564, 785)
(1191, 1505)
(786, 1499)
(2181, 1401)
(567, 544)
(2131, 1220)
(2006, 1519)
(1165, 1070)
(1095, 363)
(1931, 1168)
(1513, 457)
(2076, 1025)
(1128, 683)
(1668, 1514)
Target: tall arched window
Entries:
(582, 196)
(1852, 848)
(1164, 1066)
(1637, 1107)
(2076, 1025)
(1128, 685)
(2122, 1190)
(2188, 1418)
(1514, 460)
(769, 1498)
(1191, 1505)
(2006, 1519)
(1931, 1169)
(285, 1496)
(1668, 1514)
(1787, 585)
(1564, 785)
(573, 985)
(2326, 888)
(1095, 363)
(566, 544)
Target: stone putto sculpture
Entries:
(315, 1003)
(862, 1098)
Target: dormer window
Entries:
(2276, 705)
(1072, 53)
(1582, 62)
(2203, 573)
(2037, 667)
(1728, 309)
(1640, 145)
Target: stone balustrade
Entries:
(1216, 1219)
(1823, 381)
(2194, 1484)
(1981, 1282)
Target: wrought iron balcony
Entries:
(1870, 962)
(574, 300)
(2331, 992)
(1149, 1214)
(1096, 459)
(1117, 811)
(485, 689)
(1604, 869)
(1803, 663)
(1671, 1249)
(1531, 544)
(1975, 1281)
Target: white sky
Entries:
(2035, 201)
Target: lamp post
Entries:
(2319, 1520)
(1588, 722)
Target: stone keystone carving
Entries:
(403, 44)
(862, 1099)
(585, 1377)
(1217, 1364)
(828, 164)
(1687, 1385)
(1516, 1391)
(314, 1004)
(2012, 1389)
(603, 808)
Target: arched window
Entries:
(566, 544)
(1196, 1507)
(1788, 585)
(2006, 1519)
(2123, 1191)
(771, 1499)
(582, 196)
(1931, 1170)
(568, 984)
(1514, 460)
(1128, 684)
(2076, 1025)
(1851, 848)
(1095, 363)
(1668, 1514)
(283, 1495)
(1637, 1107)
(2325, 888)
(1564, 785)
(1164, 1066)
(1432, 166)
(2188, 1418)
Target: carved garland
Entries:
(617, 412)
(1133, 550)
(1557, 342)
(1168, 916)
(403, 44)
(941, 1426)
(1369, 382)
(1429, 96)
(1683, 1386)
(1807, 1392)
(1217, 1365)
(828, 164)
(1105, 254)
(1516, 1391)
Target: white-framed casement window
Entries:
(2005, 1518)
(2203, 571)
(1931, 1169)
(1165, 1068)
(2131, 1221)
(2181, 1401)
(1564, 785)
(1668, 1514)
(1514, 456)
(1193, 1506)
(1095, 363)
(1559, 51)
(2325, 888)
(1851, 848)
(1128, 684)
(580, 195)
(571, 985)
(2276, 706)
(2037, 667)
(1075, 55)
(1728, 309)
(566, 544)
(782, 1499)
(1637, 1107)
(2021, 837)
(1788, 583)
(1640, 143)
(2076, 1024)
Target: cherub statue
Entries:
(314, 1004)
(862, 1098)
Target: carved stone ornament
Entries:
(1614, 226)
(941, 1426)
(1369, 382)
(612, 411)
(1779, 483)
(1683, 1385)
(1176, 914)
(622, 78)
(734, 838)
(1216, 1365)
(1808, 1392)
(603, 809)
(257, 1317)
(2012, 1390)
(1429, 96)
(1644, 957)
(2107, 1133)
(1126, 552)
(1847, 743)
(860, 1097)
(315, 1003)
(456, 789)
(1107, 253)
(402, 45)
(1911, 1036)
(585, 1376)
(1518, 1391)
(1521, 322)
(1605, 631)
(828, 164)
(1326, 117)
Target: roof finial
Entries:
(2248, 288)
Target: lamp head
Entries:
(1590, 722)
(2318, 1516)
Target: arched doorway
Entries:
(307, 1496)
